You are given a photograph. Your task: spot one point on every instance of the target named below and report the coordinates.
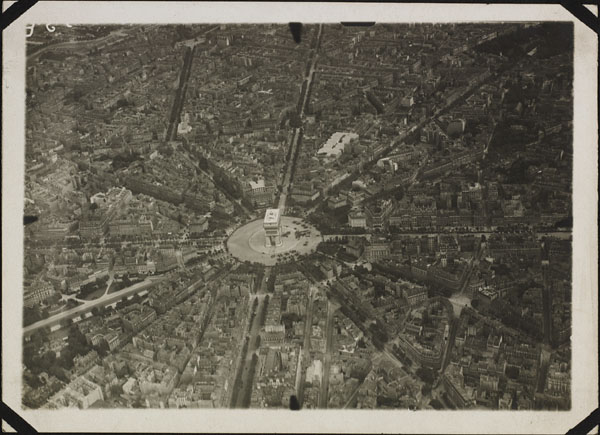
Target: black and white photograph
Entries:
(303, 215)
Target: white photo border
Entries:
(585, 240)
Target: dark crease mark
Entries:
(358, 23)
(15, 10)
(294, 405)
(296, 29)
(29, 219)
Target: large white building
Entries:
(38, 294)
(272, 226)
(80, 393)
(334, 147)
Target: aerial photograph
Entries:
(315, 216)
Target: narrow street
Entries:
(352, 396)
(240, 358)
(248, 365)
(547, 304)
(391, 357)
(207, 319)
(565, 235)
(449, 345)
(543, 369)
(180, 94)
(471, 267)
(323, 396)
(194, 161)
(247, 368)
(305, 348)
(111, 278)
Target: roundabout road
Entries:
(247, 243)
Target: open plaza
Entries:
(248, 243)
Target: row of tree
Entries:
(34, 314)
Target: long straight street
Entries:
(295, 141)
(470, 268)
(449, 345)
(247, 367)
(547, 304)
(86, 306)
(352, 396)
(105, 300)
(180, 94)
(207, 319)
(211, 177)
(565, 235)
(305, 347)
(77, 45)
(323, 396)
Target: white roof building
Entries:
(259, 184)
(272, 216)
(335, 145)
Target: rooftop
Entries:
(336, 143)
(272, 216)
(257, 184)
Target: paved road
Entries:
(306, 346)
(324, 393)
(495, 323)
(287, 179)
(352, 396)
(88, 305)
(179, 257)
(236, 380)
(208, 316)
(75, 44)
(543, 370)
(111, 278)
(215, 241)
(547, 304)
(558, 234)
(180, 93)
(449, 345)
(245, 393)
(387, 352)
(471, 267)
(194, 161)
